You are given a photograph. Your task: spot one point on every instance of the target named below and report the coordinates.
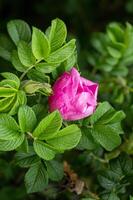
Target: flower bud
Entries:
(32, 87)
(74, 96)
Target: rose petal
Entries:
(74, 96)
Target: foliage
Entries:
(99, 147)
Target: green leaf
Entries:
(47, 31)
(9, 83)
(112, 117)
(6, 47)
(40, 111)
(19, 30)
(45, 67)
(21, 97)
(87, 141)
(26, 159)
(117, 128)
(27, 119)
(6, 104)
(25, 54)
(40, 44)
(38, 76)
(70, 62)
(43, 150)
(7, 92)
(9, 129)
(20, 100)
(55, 170)
(63, 53)
(48, 126)
(9, 145)
(11, 76)
(24, 147)
(108, 179)
(66, 138)
(120, 71)
(100, 111)
(115, 32)
(113, 196)
(111, 61)
(110, 196)
(106, 136)
(106, 126)
(57, 35)
(16, 62)
(98, 41)
(36, 179)
(65, 66)
(121, 165)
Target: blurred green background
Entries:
(82, 18)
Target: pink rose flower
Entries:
(74, 96)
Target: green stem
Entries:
(23, 75)
(99, 159)
(30, 134)
(65, 123)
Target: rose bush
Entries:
(89, 157)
